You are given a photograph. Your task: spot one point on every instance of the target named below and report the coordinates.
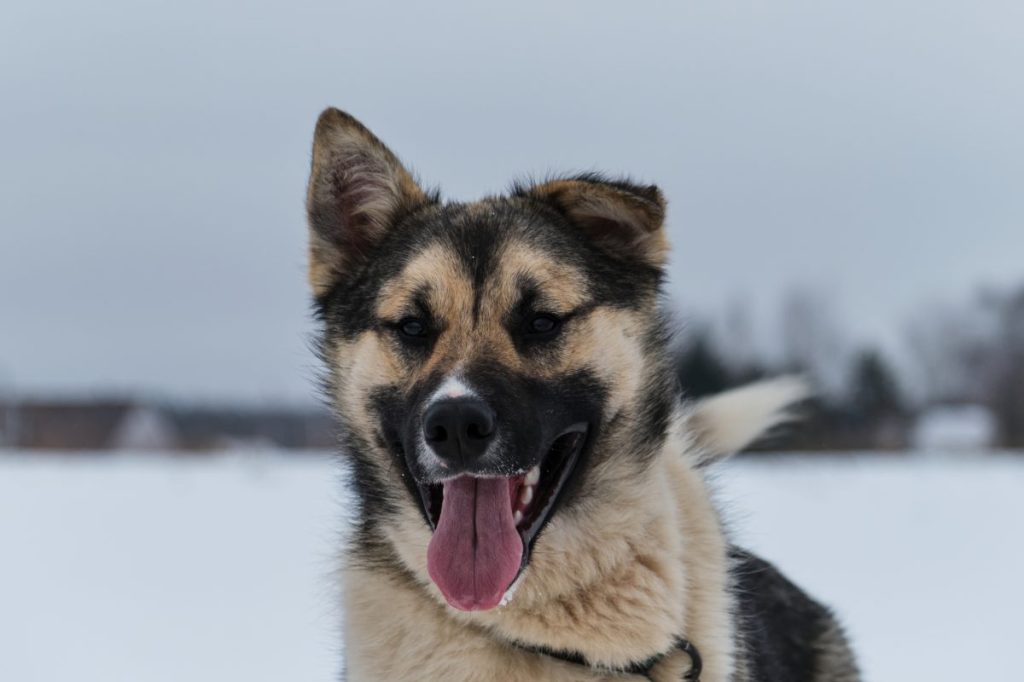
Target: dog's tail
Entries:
(728, 422)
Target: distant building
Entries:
(955, 428)
(135, 425)
(87, 425)
(145, 428)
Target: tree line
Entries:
(966, 353)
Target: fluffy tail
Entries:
(730, 421)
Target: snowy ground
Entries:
(157, 569)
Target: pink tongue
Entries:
(476, 551)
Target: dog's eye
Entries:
(542, 326)
(413, 329)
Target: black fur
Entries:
(784, 634)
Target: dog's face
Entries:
(483, 357)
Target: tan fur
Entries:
(419, 641)
(611, 349)
(836, 663)
(562, 287)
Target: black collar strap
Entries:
(638, 668)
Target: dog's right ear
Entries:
(357, 189)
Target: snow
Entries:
(150, 569)
(157, 568)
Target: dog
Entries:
(530, 478)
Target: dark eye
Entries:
(542, 326)
(413, 328)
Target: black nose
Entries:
(459, 431)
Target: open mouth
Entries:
(484, 527)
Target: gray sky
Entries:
(153, 157)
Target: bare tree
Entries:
(974, 353)
(1007, 398)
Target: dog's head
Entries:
(487, 358)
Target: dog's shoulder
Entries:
(784, 633)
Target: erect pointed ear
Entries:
(357, 189)
(624, 218)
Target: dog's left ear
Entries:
(621, 217)
(357, 191)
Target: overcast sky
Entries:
(153, 157)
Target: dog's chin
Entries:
(484, 526)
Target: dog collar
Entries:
(637, 668)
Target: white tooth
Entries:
(533, 476)
(517, 517)
(526, 495)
